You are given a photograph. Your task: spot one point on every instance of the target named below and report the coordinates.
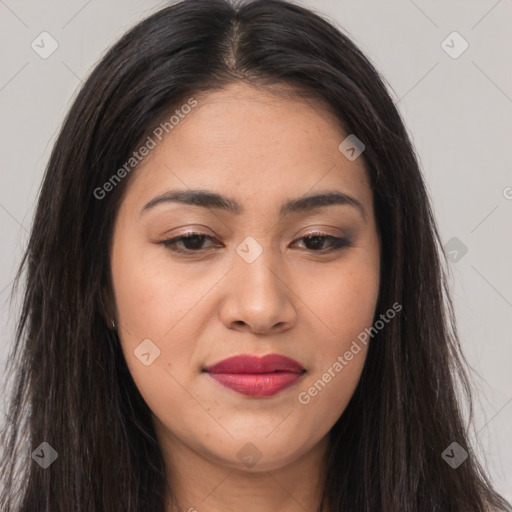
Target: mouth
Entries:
(256, 376)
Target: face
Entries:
(286, 284)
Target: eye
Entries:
(314, 242)
(192, 241)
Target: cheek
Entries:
(148, 305)
(344, 301)
(150, 295)
(344, 298)
(156, 305)
(345, 304)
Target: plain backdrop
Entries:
(457, 109)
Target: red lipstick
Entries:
(256, 376)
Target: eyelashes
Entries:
(195, 241)
(191, 239)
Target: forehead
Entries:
(254, 145)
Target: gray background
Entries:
(457, 110)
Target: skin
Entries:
(260, 149)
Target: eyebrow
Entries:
(207, 199)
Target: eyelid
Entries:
(337, 242)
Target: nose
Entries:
(257, 298)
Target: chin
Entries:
(257, 454)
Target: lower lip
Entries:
(256, 384)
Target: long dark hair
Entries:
(71, 386)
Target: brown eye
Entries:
(192, 242)
(315, 242)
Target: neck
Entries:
(200, 484)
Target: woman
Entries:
(234, 294)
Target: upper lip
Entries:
(248, 363)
